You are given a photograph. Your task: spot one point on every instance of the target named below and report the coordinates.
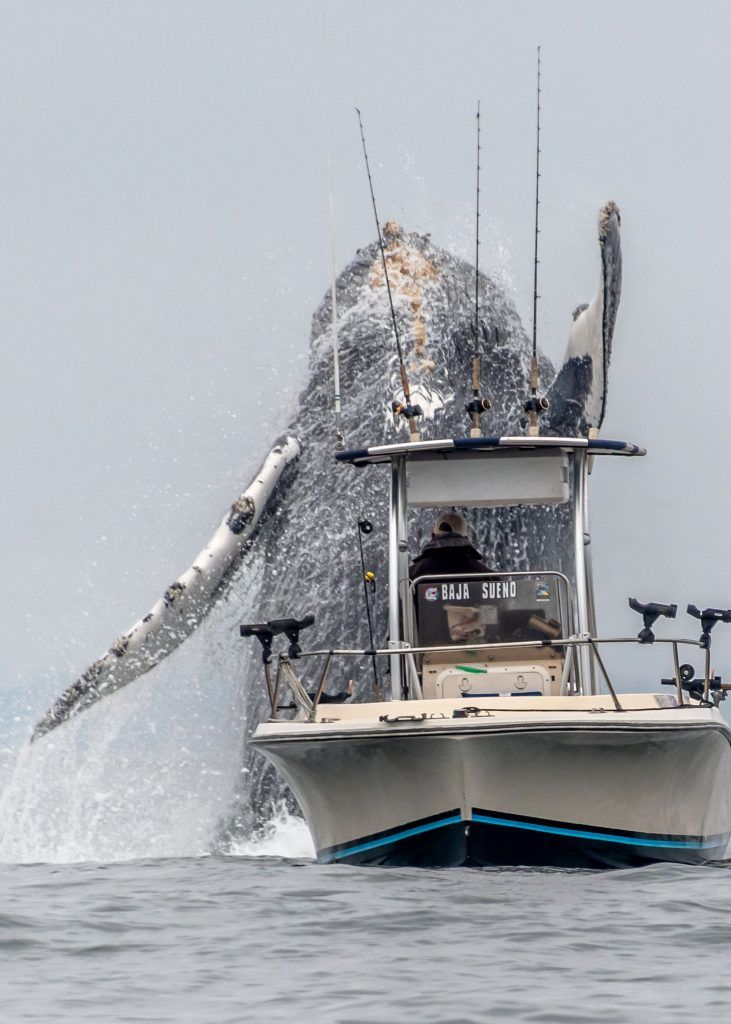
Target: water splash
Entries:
(284, 835)
(148, 774)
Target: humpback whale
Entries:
(288, 543)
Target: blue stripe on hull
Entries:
(401, 843)
(602, 837)
(490, 839)
(394, 837)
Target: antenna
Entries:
(535, 406)
(409, 411)
(339, 435)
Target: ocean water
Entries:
(265, 934)
(114, 908)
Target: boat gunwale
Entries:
(439, 728)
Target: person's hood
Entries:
(449, 543)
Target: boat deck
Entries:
(477, 714)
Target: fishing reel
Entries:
(695, 688)
(477, 406)
(534, 407)
(409, 412)
(650, 613)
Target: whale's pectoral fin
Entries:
(578, 395)
(187, 601)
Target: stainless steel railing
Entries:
(308, 703)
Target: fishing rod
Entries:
(537, 232)
(478, 405)
(339, 435)
(406, 409)
(477, 235)
(369, 579)
(535, 405)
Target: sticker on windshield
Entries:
(543, 591)
(432, 593)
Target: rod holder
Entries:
(264, 634)
(266, 631)
(650, 613)
(708, 619)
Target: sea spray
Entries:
(148, 774)
(285, 834)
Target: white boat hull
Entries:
(587, 788)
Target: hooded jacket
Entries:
(447, 556)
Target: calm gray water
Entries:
(243, 938)
(113, 911)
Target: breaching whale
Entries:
(301, 502)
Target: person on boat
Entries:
(449, 552)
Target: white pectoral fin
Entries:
(185, 603)
(578, 395)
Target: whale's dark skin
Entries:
(303, 556)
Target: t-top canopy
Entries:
(484, 446)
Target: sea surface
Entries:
(113, 908)
(267, 935)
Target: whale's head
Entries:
(433, 297)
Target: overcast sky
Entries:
(164, 241)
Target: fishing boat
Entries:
(500, 738)
(503, 740)
(496, 735)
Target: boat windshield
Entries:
(494, 608)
